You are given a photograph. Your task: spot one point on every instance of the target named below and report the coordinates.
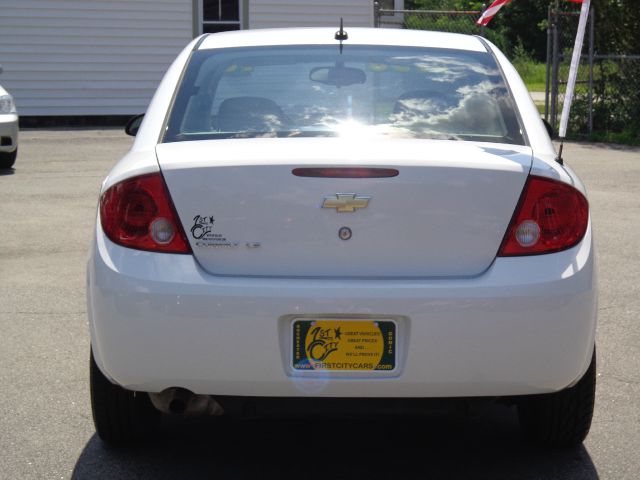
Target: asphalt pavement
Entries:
(47, 210)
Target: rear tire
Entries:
(561, 419)
(7, 159)
(119, 415)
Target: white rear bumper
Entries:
(527, 325)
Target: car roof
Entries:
(357, 36)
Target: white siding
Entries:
(89, 57)
(310, 13)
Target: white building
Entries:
(105, 57)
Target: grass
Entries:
(622, 138)
(534, 74)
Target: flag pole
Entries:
(573, 71)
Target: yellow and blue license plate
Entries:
(344, 345)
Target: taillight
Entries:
(138, 213)
(551, 216)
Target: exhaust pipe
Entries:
(180, 401)
(178, 404)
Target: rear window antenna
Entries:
(341, 35)
(559, 157)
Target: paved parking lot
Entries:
(47, 208)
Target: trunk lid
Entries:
(245, 213)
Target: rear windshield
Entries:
(363, 91)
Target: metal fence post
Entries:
(547, 86)
(376, 14)
(483, 27)
(591, 58)
(555, 74)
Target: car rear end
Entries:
(365, 220)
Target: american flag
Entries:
(495, 7)
(490, 12)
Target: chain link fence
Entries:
(616, 98)
(445, 20)
(606, 104)
(561, 35)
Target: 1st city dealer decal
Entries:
(344, 345)
(204, 235)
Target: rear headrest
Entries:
(249, 113)
(249, 104)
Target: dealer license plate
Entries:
(344, 345)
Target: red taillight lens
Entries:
(551, 216)
(138, 213)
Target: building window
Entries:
(220, 15)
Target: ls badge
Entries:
(346, 202)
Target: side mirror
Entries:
(550, 130)
(133, 125)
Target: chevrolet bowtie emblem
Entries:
(346, 202)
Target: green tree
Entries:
(522, 22)
(617, 105)
(617, 26)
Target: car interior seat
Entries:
(252, 114)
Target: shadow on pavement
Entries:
(451, 447)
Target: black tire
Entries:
(7, 159)
(562, 419)
(119, 415)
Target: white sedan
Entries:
(8, 129)
(323, 217)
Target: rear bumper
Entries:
(525, 326)
(8, 132)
